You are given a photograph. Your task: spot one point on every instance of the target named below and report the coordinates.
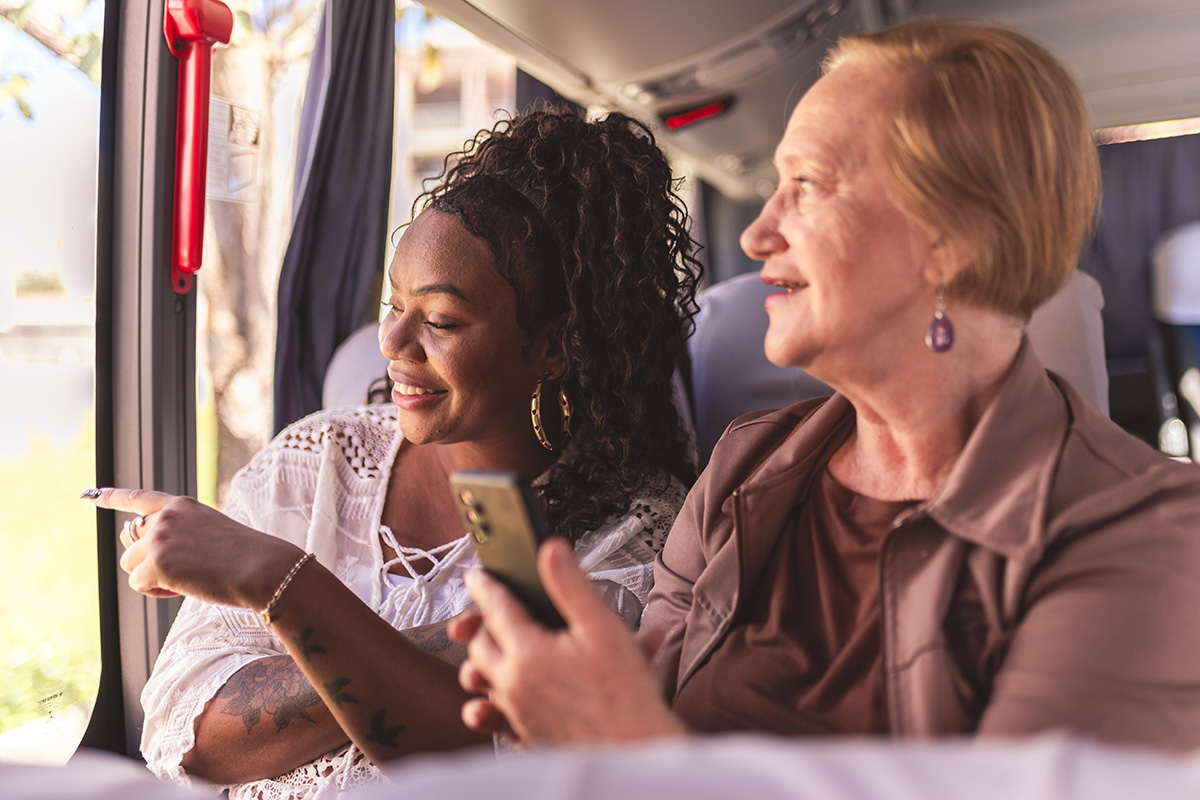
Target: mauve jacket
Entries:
(1053, 581)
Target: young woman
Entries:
(552, 262)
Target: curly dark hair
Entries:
(585, 223)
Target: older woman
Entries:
(955, 542)
(552, 261)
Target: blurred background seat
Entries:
(1175, 339)
(357, 372)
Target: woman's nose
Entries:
(761, 238)
(397, 339)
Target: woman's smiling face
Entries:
(462, 366)
(850, 263)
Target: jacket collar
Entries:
(995, 496)
(998, 493)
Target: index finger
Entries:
(135, 501)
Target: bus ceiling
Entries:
(1136, 62)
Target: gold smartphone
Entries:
(507, 524)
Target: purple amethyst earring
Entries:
(940, 336)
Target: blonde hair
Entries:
(988, 145)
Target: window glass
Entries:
(448, 86)
(258, 85)
(49, 135)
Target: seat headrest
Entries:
(355, 369)
(1175, 259)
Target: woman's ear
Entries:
(547, 349)
(948, 256)
(952, 252)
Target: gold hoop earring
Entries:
(535, 415)
(564, 406)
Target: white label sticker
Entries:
(233, 134)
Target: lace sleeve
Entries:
(619, 555)
(207, 644)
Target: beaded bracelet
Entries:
(266, 612)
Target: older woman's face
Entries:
(463, 367)
(848, 262)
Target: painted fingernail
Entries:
(90, 494)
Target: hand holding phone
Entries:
(507, 524)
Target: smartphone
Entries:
(507, 524)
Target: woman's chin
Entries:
(785, 351)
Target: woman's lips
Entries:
(789, 288)
(413, 398)
(415, 391)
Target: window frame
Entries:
(145, 347)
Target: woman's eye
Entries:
(388, 306)
(804, 185)
(441, 326)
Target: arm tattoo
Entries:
(430, 639)
(381, 734)
(272, 686)
(434, 640)
(307, 648)
(334, 690)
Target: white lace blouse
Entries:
(321, 486)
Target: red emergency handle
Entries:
(192, 27)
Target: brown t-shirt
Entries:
(803, 654)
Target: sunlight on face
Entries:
(455, 350)
(850, 264)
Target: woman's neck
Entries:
(522, 458)
(913, 421)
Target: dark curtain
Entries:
(532, 93)
(344, 169)
(1149, 188)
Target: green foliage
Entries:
(39, 282)
(21, 14)
(70, 9)
(14, 88)
(50, 658)
(55, 26)
(87, 46)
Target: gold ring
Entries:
(131, 528)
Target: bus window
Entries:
(49, 121)
(258, 88)
(183, 384)
(448, 86)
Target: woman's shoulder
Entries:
(758, 432)
(769, 440)
(363, 434)
(368, 429)
(637, 531)
(653, 502)
(660, 495)
(1102, 466)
